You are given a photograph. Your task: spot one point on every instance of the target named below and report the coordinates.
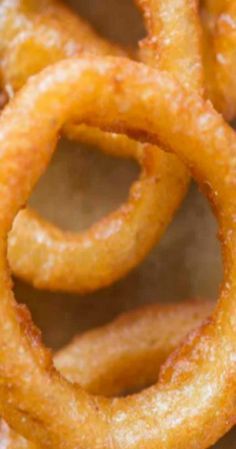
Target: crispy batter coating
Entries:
(48, 257)
(174, 36)
(59, 260)
(219, 18)
(34, 34)
(124, 355)
(193, 404)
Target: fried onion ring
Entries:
(123, 355)
(39, 252)
(218, 43)
(126, 354)
(219, 19)
(37, 34)
(174, 37)
(179, 411)
(48, 257)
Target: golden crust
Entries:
(174, 38)
(179, 411)
(218, 45)
(50, 258)
(126, 354)
(199, 378)
(219, 19)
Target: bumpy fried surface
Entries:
(199, 379)
(123, 355)
(64, 261)
(126, 354)
(48, 257)
(174, 36)
(219, 18)
(34, 34)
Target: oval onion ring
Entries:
(39, 252)
(123, 355)
(196, 393)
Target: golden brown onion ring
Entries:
(219, 19)
(123, 355)
(196, 394)
(36, 34)
(39, 252)
(174, 38)
(48, 257)
(126, 354)
(218, 44)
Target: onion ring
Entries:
(37, 34)
(201, 377)
(126, 354)
(25, 50)
(48, 257)
(170, 25)
(219, 43)
(123, 355)
(219, 19)
(39, 252)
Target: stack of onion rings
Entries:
(193, 403)
(64, 261)
(34, 35)
(190, 390)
